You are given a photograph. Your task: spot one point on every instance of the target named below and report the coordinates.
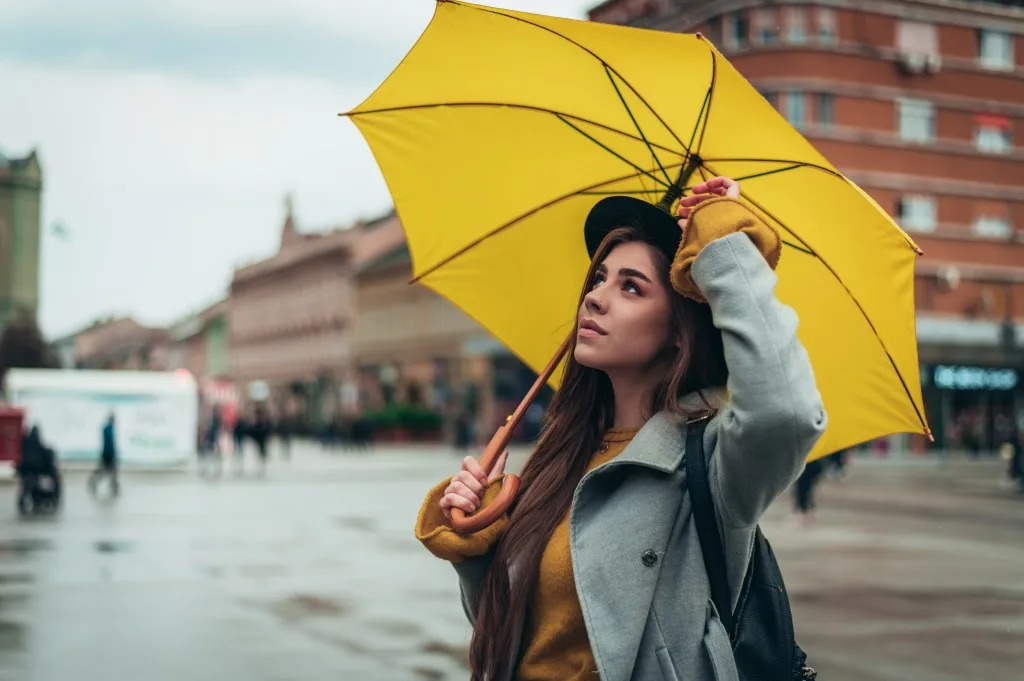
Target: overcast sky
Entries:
(170, 131)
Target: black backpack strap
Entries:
(704, 517)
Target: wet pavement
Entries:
(914, 570)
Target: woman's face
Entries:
(623, 324)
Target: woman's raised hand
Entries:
(716, 186)
(466, 489)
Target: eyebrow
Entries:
(626, 272)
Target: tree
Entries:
(22, 346)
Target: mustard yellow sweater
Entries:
(555, 639)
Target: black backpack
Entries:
(761, 629)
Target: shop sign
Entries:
(975, 378)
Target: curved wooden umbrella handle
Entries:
(484, 517)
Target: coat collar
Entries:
(660, 442)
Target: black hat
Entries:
(658, 227)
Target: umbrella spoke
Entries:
(518, 107)
(639, 130)
(802, 164)
(615, 153)
(593, 54)
(536, 209)
(705, 110)
(810, 251)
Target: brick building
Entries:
(290, 316)
(413, 346)
(921, 103)
(118, 343)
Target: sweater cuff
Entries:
(711, 220)
(443, 541)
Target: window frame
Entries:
(903, 105)
(915, 225)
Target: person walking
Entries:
(597, 570)
(107, 468)
(803, 492)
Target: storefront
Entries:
(971, 407)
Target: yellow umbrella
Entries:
(500, 130)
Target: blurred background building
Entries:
(116, 343)
(21, 186)
(921, 103)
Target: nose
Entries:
(593, 301)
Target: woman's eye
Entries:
(631, 287)
(598, 280)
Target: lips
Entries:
(591, 325)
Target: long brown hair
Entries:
(580, 413)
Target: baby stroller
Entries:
(39, 490)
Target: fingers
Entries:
(468, 481)
(716, 186)
(461, 489)
(469, 464)
(466, 489)
(499, 467)
(450, 501)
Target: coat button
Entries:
(649, 558)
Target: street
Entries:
(913, 570)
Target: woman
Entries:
(597, 569)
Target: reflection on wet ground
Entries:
(912, 572)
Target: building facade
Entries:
(119, 343)
(414, 347)
(199, 343)
(921, 103)
(21, 186)
(290, 316)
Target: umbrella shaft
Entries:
(675, 191)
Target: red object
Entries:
(12, 420)
(994, 120)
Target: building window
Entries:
(766, 26)
(995, 50)
(917, 120)
(993, 135)
(988, 225)
(735, 29)
(917, 38)
(828, 32)
(826, 108)
(917, 213)
(796, 25)
(795, 108)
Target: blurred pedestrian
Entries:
(107, 469)
(836, 463)
(803, 491)
(259, 431)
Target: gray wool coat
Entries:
(655, 620)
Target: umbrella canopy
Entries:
(500, 130)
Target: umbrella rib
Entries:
(501, 228)
(616, 154)
(622, 99)
(500, 105)
(593, 54)
(708, 100)
(775, 160)
(839, 279)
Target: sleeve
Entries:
(711, 220)
(443, 541)
(774, 414)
